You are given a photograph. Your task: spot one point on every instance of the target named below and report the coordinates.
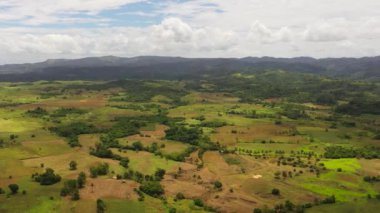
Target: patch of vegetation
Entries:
(47, 178)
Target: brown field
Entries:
(109, 188)
(279, 133)
(95, 102)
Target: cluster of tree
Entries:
(295, 87)
(71, 131)
(288, 206)
(37, 112)
(184, 134)
(62, 112)
(144, 91)
(98, 170)
(213, 124)
(139, 107)
(101, 150)
(336, 152)
(71, 187)
(140, 177)
(155, 149)
(360, 106)
(47, 178)
(371, 179)
(293, 111)
(100, 206)
(125, 127)
(152, 188)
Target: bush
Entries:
(257, 210)
(101, 151)
(124, 162)
(187, 135)
(101, 169)
(218, 185)
(100, 206)
(275, 191)
(152, 188)
(13, 187)
(179, 196)
(81, 179)
(159, 174)
(198, 202)
(48, 178)
(73, 165)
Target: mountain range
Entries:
(156, 67)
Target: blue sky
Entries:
(36, 30)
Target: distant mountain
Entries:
(154, 67)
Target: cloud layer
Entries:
(215, 28)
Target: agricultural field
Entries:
(183, 146)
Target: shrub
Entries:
(13, 187)
(179, 196)
(100, 206)
(198, 202)
(101, 169)
(152, 188)
(275, 191)
(73, 165)
(218, 184)
(48, 178)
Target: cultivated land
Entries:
(190, 146)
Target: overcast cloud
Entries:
(37, 30)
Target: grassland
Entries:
(250, 147)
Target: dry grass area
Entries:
(147, 137)
(242, 189)
(93, 102)
(109, 188)
(88, 140)
(370, 167)
(231, 135)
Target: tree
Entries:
(257, 210)
(159, 174)
(137, 146)
(100, 206)
(48, 178)
(289, 205)
(124, 162)
(100, 169)
(198, 202)
(13, 187)
(75, 195)
(73, 165)
(218, 184)
(152, 188)
(81, 179)
(275, 191)
(179, 196)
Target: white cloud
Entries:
(324, 33)
(171, 37)
(260, 32)
(36, 12)
(197, 28)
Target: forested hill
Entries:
(152, 67)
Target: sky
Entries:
(36, 30)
